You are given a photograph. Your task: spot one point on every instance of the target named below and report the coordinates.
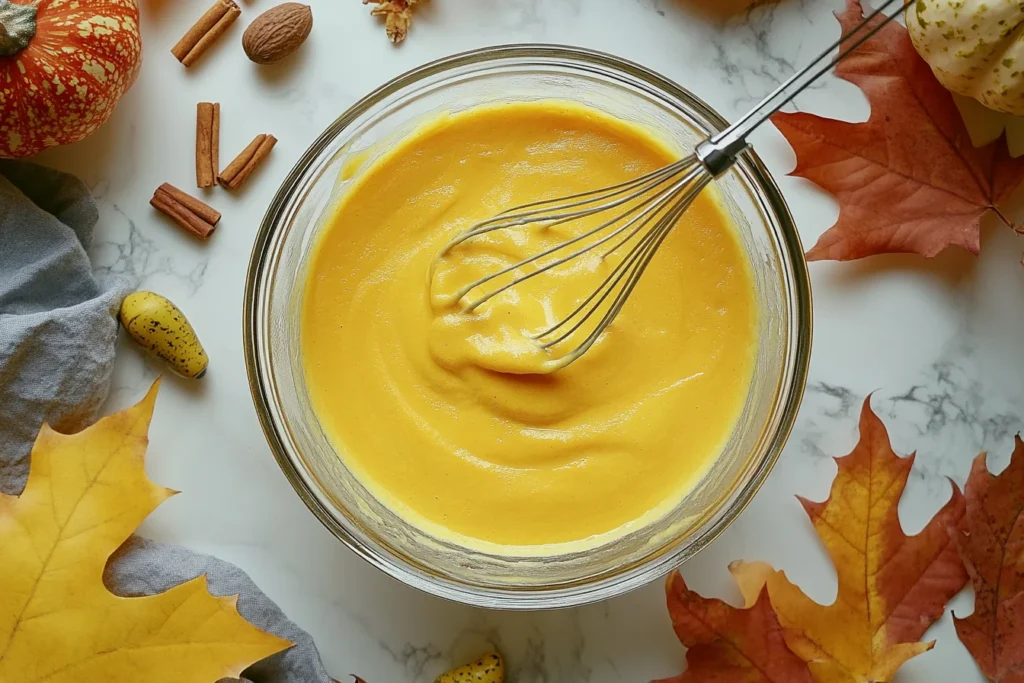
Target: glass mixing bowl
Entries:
(274, 291)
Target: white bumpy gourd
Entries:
(974, 47)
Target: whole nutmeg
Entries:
(277, 33)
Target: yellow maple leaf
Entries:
(86, 494)
(892, 587)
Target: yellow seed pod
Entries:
(488, 669)
(161, 328)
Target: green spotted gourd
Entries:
(162, 329)
(488, 669)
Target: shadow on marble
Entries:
(282, 73)
(722, 10)
(153, 10)
(952, 267)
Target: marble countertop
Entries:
(938, 341)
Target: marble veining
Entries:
(138, 257)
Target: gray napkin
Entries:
(57, 330)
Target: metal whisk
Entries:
(648, 206)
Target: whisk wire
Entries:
(643, 210)
(641, 258)
(677, 189)
(668, 169)
(634, 257)
(646, 209)
(517, 217)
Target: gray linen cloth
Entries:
(58, 326)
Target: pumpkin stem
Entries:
(17, 27)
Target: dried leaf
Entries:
(991, 541)
(397, 16)
(729, 645)
(908, 179)
(85, 495)
(891, 587)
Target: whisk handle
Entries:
(720, 152)
(718, 156)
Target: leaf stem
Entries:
(1003, 217)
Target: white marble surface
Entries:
(940, 341)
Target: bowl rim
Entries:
(557, 596)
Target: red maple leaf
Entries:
(907, 179)
(992, 546)
(729, 645)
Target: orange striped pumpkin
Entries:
(64, 64)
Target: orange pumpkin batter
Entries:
(439, 412)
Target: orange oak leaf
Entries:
(729, 645)
(907, 179)
(892, 587)
(991, 541)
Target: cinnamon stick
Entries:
(207, 143)
(206, 31)
(245, 163)
(196, 206)
(186, 211)
(215, 137)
